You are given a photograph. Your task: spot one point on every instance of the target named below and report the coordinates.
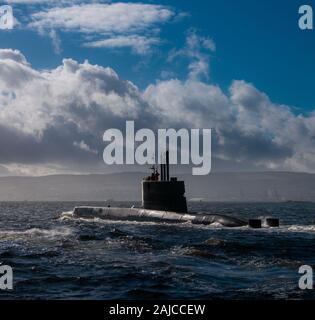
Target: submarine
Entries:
(163, 200)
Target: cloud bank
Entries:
(53, 120)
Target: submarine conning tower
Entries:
(162, 193)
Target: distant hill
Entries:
(238, 187)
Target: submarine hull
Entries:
(144, 215)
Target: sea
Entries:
(55, 255)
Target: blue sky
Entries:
(258, 41)
(71, 69)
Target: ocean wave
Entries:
(262, 262)
(299, 228)
(66, 215)
(216, 242)
(192, 252)
(310, 229)
(36, 233)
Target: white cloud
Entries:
(14, 55)
(38, 1)
(56, 118)
(186, 103)
(138, 44)
(83, 146)
(103, 18)
(55, 41)
(111, 25)
(197, 50)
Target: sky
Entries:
(71, 69)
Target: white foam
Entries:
(67, 215)
(298, 228)
(36, 233)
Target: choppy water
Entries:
(57, 256)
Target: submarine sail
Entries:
(162, 193)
